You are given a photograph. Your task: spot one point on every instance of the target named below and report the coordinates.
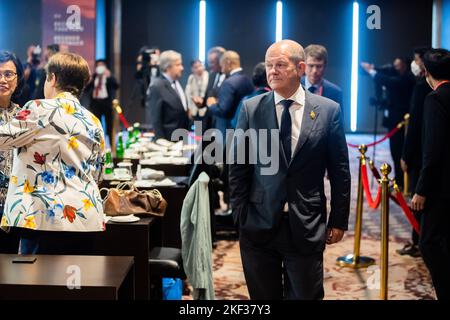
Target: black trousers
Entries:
(276, 270)
(413, 177)
(435, 245)
(396, 145)
(103, 107)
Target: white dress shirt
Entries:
(296, 111)
(175, 84)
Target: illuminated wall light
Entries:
(100, 30)
(354, 77)
(202, 32)
(279, 22)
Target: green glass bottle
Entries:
(130, 138)
(108, 162)
(137, 131)
(119, 148)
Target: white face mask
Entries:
(100, 70)
(415, 69)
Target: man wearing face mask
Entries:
(411, 161)
(432, 193)
(399, 83)
(102, 90)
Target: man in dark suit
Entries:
(399, 83)
(236, 86)
(432, 193)
(166, 104)
(215, 80)
(101, 91)
(316, 59)
(282, 216)
(411, 161)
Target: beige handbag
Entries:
(126, 199)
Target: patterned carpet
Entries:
(408, 277)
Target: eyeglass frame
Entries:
(2, 75)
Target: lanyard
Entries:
(441, 83)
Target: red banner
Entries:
(71, 24)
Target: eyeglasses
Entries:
(9, 75)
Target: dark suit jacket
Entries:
(258, 199)
(164, 109)
(412, 148)
(111, 87)
(231, 92)
(399, 91)
(435, 173)
(330, 91)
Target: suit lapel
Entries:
(174, 93)
(310, 115)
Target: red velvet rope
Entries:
(409, 215)
(365, 181)
(389, 135)
(377, 176)
(124, 121)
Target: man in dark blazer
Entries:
(411, 161)
(101, 90)
(399, 83)
(236, 86)
(432, 193)
(215, 80)
(282, 216)
(316, 59)
(166, 104)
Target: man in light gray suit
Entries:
(282, 217)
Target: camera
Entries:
(36, 56)
(150, 57)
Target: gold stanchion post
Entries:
(385, 170)
(405, 174)
(355, 260)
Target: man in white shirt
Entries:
(282, 217)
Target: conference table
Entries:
(67, 277)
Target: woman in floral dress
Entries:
(11, 85)
(58, 152)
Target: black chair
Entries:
(164, 262)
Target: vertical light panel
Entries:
(354, 77)
(445, 38)
(279, 22)
(100, 30)
(202, 32)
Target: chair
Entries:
(164, 262)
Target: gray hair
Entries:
(167, 58)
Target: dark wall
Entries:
(248, 27)
(20, 25)
(169, 24)
(404, 26)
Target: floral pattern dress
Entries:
(58, 156)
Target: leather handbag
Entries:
(126, 199)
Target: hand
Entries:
(211, 101)
(403, 165)
(334, 235)
(367, 66)
(198, 101)
(418, 202)
(107, 73)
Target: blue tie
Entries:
(286, 129)
(312, 89)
